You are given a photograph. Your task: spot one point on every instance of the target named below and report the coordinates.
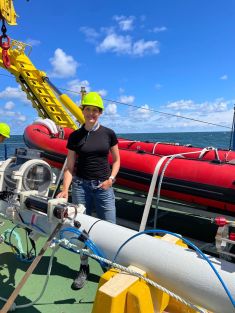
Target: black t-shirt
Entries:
(92, 148)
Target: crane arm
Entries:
(39, 91)
(7, 12)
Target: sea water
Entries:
(8, 147)
(197, 139)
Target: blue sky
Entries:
(172, 56)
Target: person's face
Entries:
(91, 114)
(2, 138)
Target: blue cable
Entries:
(189, 243)
(88, 243)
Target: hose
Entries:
(87, 242)
(189, 243)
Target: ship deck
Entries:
(58, 296)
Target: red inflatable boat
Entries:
(165, 148)
(52, 141)
(198, 181)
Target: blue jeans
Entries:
(86, 192)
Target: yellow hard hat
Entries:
(5, 130)
(94, 99)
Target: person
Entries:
(4, 131)
(92, 185)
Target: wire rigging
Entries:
(156, 111)
(147, 109)
(168, 114)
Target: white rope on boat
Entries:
(132, 272)
(150, 194)
(205, 150)
(160, 186)
(149, 199)
(155, 146)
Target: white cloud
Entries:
(181, 105)
(203, 108)
(20, 117)
(9, 105)
(76, 84)
(218, 111)
(91, 34)
(142, 112)
(63, 65)
(112, 39)
(12, 116)
(111, 109)
(224, 77)
(33, 42)
(142, 47)
(125, 23)
(14, 93)
(102, 92)
(115, 43)
(219, 105)
(120, 44)
(127, 99)
(75, 87)
(159, 29)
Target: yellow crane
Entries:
(45, 97)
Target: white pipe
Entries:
(179, 270)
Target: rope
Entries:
(151, 193)
(155, 146)
(150, 110)
(172, 157)
(160, 186)
(168, 114)
(132, 272)
(205, 150)
(153, 185)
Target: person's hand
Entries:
(106, 184)
(63, 194)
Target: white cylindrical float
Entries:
(180, 270)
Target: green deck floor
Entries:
(58, 297)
